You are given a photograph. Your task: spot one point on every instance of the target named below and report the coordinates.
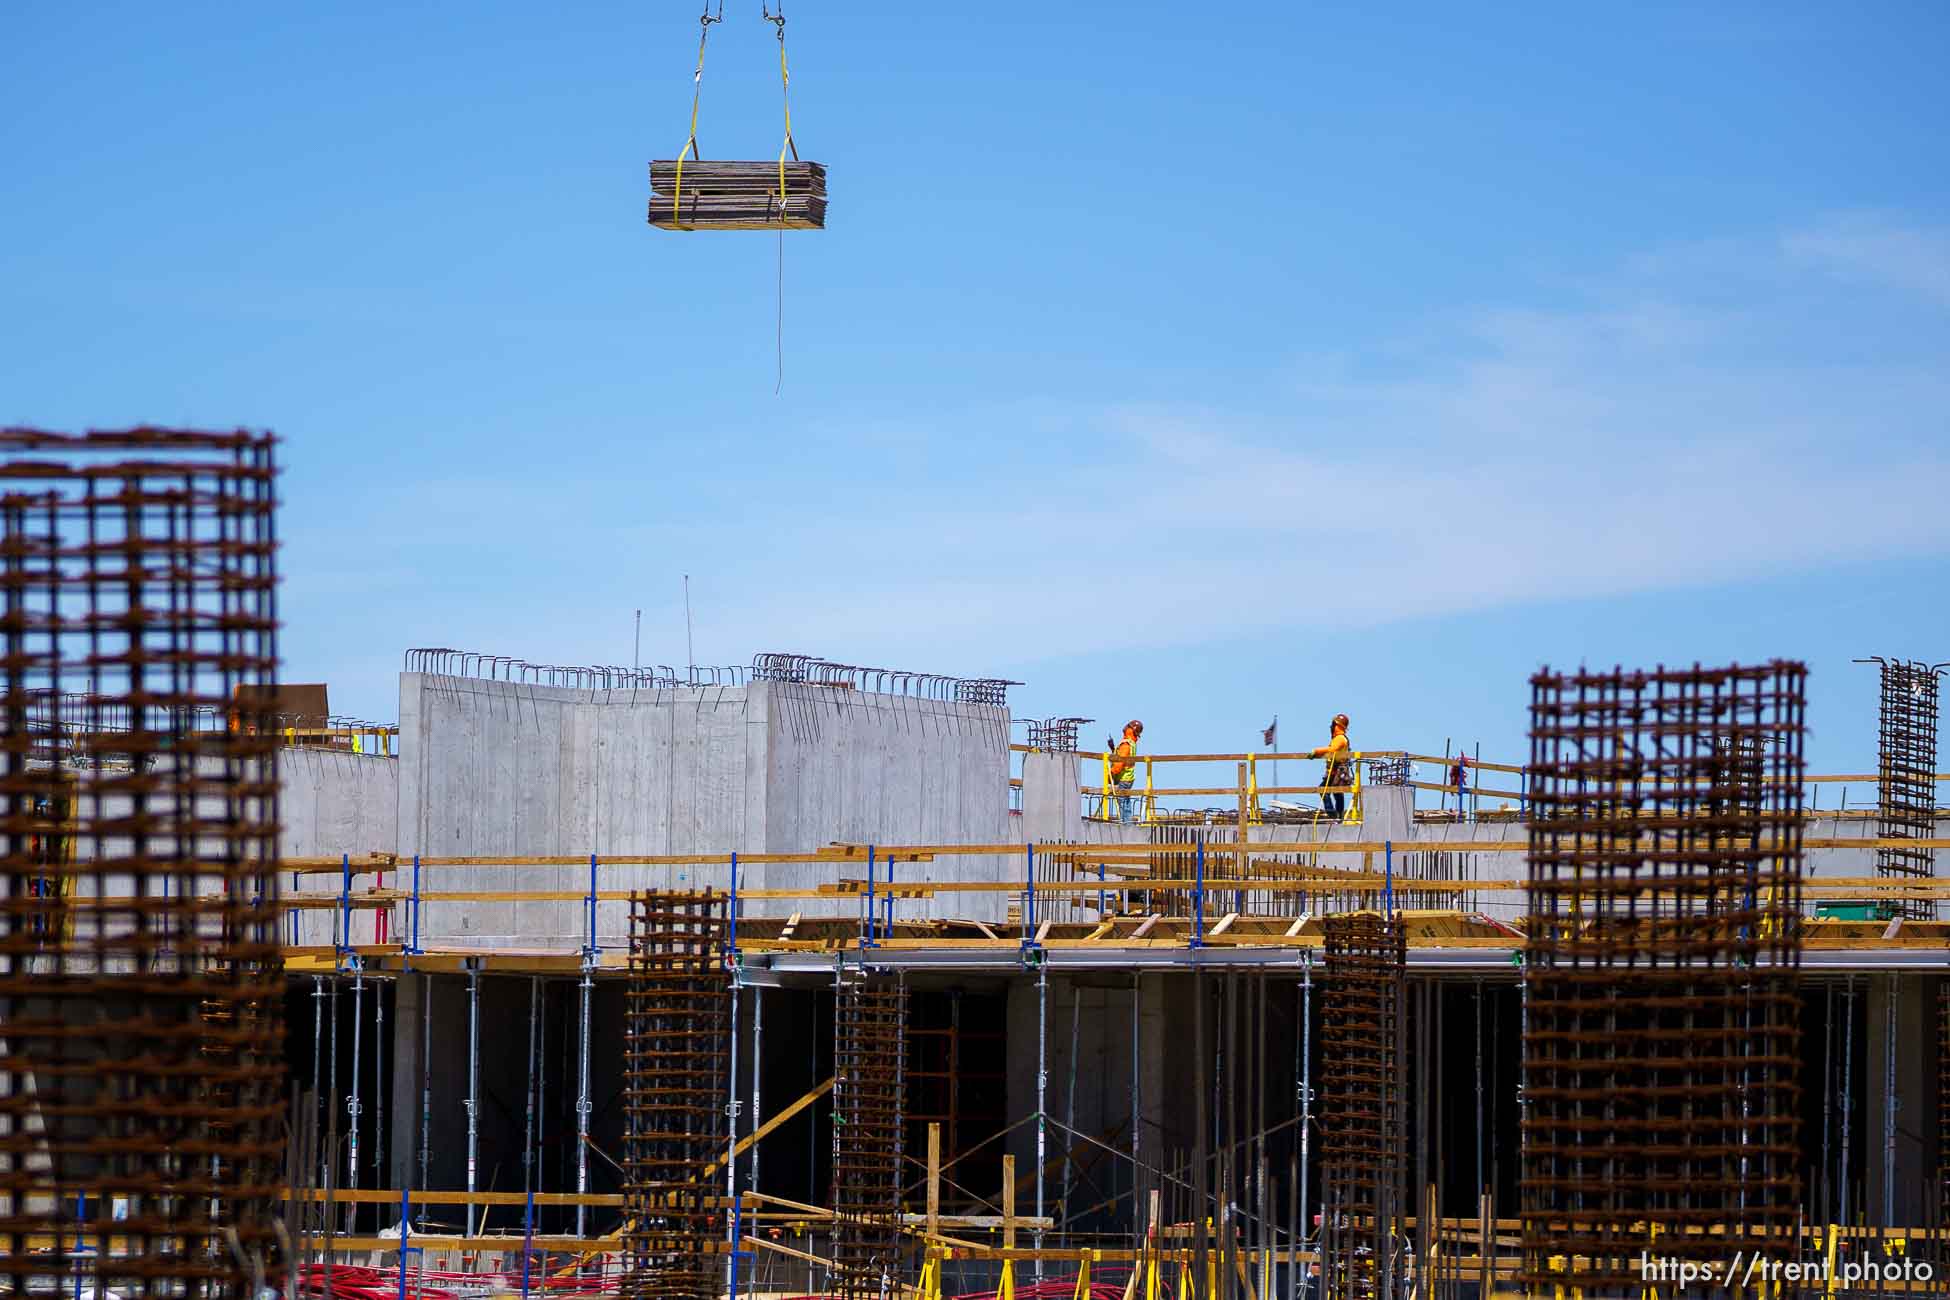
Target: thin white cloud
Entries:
(1689, 424)
(1648, 439)
(1881, 250)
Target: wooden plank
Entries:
(1008, 1202)
(1225, 923)
(934, 1178)
(770, 1125)
(1145, 928)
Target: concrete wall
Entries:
(500, 769)
(333, 803)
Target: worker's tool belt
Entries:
(1339, 774)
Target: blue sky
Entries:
(1202, 364)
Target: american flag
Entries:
(1270, 737)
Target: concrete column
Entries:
(403, 1106)
(1051, 807)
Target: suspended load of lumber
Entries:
(738, 195)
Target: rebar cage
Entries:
(869, 1063)
(141, 986)
(1661, 1096)
(1363, 1133)
(676, 1078)
(1906, 780)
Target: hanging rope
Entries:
(704, 22)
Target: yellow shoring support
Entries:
(1151, 1273)
(1006, 1290)
(1083, 1276)
(1354, 815)
(1184, 1281)
(1150, 800)
(1829, 1271)
(1103, 809)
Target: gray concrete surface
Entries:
(492, 768)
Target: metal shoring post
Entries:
(1042, 1084)
(734, 1218)
(1198, 901)
(888, 928)
(343, 940)
(528, 1136)
(1889, 1103)
(1137, 1126)
(1029, 895)
(330, 1151)
(1848, 1071)
(758, 1039)
(1305, 1099)
(591, 947)
(1388, 878)
(473, 1103)
(582, 1097)
(377, 1159)
(415, 949)
(872, 920)
(318, 1068)
(426, 1087)
(1478, 1027)
(1070, 1112)
(352, 1105)
(541, 1089)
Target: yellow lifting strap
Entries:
(697, 90)
(785, 95)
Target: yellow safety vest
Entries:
(1127, 755)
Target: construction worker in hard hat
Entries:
(1339, 770)
(1123, 767)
